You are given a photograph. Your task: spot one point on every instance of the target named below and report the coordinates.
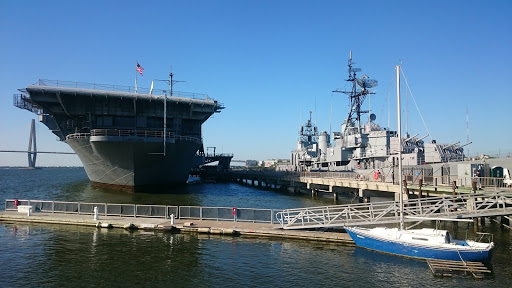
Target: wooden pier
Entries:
(449, 268)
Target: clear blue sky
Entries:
(269, 63)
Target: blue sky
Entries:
(269, 63)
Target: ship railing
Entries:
(235, 214)
(219, 155)
(78, 135)
(22, 101)
(139, 133)
(136, 133)
(119, 88)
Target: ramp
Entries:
(447, 207)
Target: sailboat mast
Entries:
(401, 196)
(165, 122)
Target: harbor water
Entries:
(42, 255)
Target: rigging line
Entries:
(316, 117)
(390, 86)
(415, 104)
(330, 119)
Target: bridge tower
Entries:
(32, 155)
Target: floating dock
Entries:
(449, 268)
(179, 225)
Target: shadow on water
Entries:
(175, 188)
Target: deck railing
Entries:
(148, 211)
(446, 180)
(133, 133)
(119, 88)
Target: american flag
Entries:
(139, 69)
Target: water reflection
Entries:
(66, 256)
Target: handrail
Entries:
(145, 211)
(456, 207)
(133, 133)
(118, 88)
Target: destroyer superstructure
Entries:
(121, 135)
(364, 144)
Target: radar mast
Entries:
(356, 96)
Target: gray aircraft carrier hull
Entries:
(124, 138)
(128, 162)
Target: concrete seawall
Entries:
(195, 226)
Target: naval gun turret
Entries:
(460, 150)
(419, 141)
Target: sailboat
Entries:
(423, 243)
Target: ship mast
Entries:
(356, 97)
(308, 133)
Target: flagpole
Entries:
(136, 62)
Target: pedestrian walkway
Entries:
(465, 206)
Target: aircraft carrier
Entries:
(124, 136)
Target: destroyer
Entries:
(364, 145)
(121, 134)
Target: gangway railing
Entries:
(378, 213)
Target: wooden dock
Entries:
(246, 229)
(449, 268)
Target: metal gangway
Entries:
(415, 210)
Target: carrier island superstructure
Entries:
(363, 144)
(123, 136)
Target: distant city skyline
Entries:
(270, 63)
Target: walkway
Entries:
(415, 210)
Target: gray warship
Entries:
(363, 144)
(124, 136)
